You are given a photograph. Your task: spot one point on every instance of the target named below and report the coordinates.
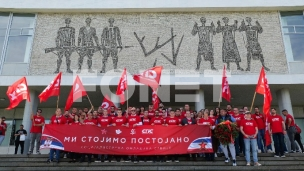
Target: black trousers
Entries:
(17, 143)
(298, 139)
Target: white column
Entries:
(200, 100)
(284, 101)
(28, 109)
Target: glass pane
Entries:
(297, 46)
(292, 18)
(18, 48)
(23, 20)
(288, 29)
(1, 44)
(14, 32)
(2, 31)
(4, 20)
(27, 31)
(300, 29)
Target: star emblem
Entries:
(103, 131)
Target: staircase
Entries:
(292, 162)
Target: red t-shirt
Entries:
(164, 119)
(249, 126)
(146, 121)
(276, 123)
(179, 118)
(292, 120)
(69, 119)
(189, 121)
(133, 119)
(213, 118)
(230, 112)
(238, 119)
(119, 121)
(157, 121)
(58, 120)
(75, 123)
(104, 121)
(141, 115)
(2, 125)
(172, 121)
(151, 114)
(37, 120)
(203, 121)
(90, 122)
(184, 113)
(112, 115)
(260, 120)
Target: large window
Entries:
(293, 30)
(16, 35)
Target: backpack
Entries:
(298, 129)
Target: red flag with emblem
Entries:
(76, 92)
(53, 89)
(150, 77)
(225, 86)
(155, 99)
(263, 88)
(122, 86)
(18, 92)
(107, 103)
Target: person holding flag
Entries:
(38, 122)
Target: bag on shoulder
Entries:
(298, 129)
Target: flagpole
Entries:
(57, 101)
(89, 100)
(252, 101)
(127, 99)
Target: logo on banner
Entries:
(103, 131)
(133, 131)
(203, 143)
(118, 131)
(147, 131)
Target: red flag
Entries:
(53, 89)
(122, 86)
(225, 86)
(107, 103)
(76, 92)
(263, 88)
(18, 92)
(150, 77)
(155, 99)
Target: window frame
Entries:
(7, 36)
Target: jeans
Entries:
(261, 140)
(52, 154)
(239, 144)
(278, 139)
(298, 139)
(17, 143)
(35, 137)
(253, 143)
(1, 138)
(231, 148)
(291, 135)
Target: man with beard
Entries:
(151, 111)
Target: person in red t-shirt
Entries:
(178, 115)
(239, 141)
(291, 130)
(249, 129)
(90, 120)
(76, 120)
(146, 119)
(3, 127)
(68, 117)
(73, 155)
(36, 131)
(119, 120)
(172, 120)
(56, 119)
(187, 108)
(164, 116)
(151, 112)
(261, 122)
(277, 128)
(105, 120)
(157, 120)
(74, 111)
(141, 112)
(188, 120)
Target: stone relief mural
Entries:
(193, 46)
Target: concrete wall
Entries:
(152, 26)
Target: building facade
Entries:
(191, 40)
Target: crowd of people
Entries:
(251, 127)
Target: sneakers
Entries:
(283, 156)
(257, 164)
(234, 163)
(49, 161)
(128, 160)
(64, 156)
(38, 152)
(269, 151)
(141, 161)
(259, 151)
(215, 155)
(97, 161)
(276, 156)
(106, 160)
(28, 153)
(135, 162)
(227, 160)
(168, 161)
(248, 164)
(149, 161)
(113, 161)
(176, 161)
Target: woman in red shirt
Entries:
(249, 129)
